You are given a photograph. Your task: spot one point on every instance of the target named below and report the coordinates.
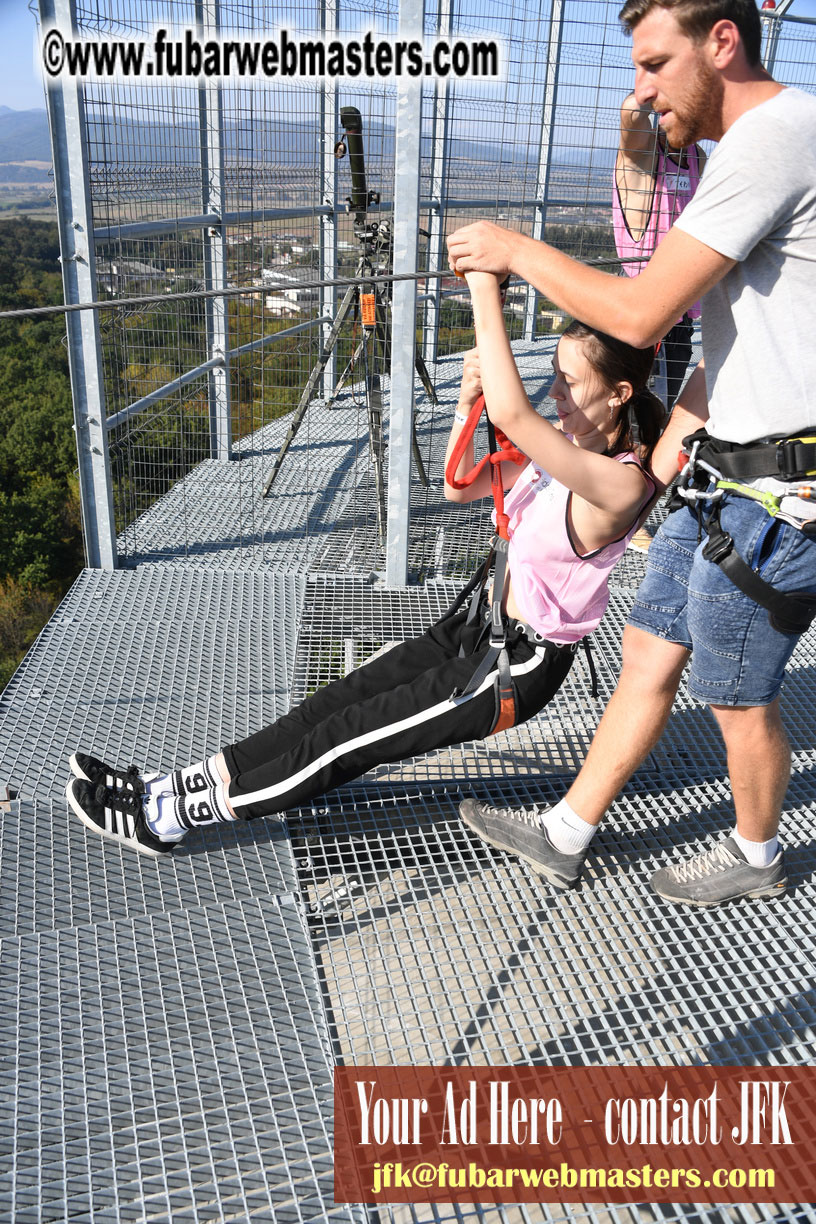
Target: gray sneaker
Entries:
(720, 874)
(517, 831)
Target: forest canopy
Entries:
(40, 533)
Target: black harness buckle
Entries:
(717, 546)
(796, 457)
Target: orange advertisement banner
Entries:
(575, 1134)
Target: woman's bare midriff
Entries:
(511, 606)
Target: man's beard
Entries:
(700, 114)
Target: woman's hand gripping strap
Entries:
(501, 449)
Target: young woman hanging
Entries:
(575, 493)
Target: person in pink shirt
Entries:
(653, 184)
(572, 508)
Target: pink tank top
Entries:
(674, 187)
(560, 593)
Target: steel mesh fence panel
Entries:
(157, 158)
(789, 50)
(534, 150)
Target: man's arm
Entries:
(688, 414)
(639, 310)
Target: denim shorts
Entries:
(737, 658)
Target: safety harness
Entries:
(501, 450)
(785, 466)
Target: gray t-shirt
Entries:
(757, 203)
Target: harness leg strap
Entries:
(788, 611)
(506, 696)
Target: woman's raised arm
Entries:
(616, 489)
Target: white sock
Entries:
(758, 854)
(171, 816)
(162, 816)
(567, 831)
(191, 780)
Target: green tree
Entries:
(40, 533)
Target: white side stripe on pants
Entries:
(371, 737)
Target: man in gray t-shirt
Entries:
(760, 358)
(746, 244)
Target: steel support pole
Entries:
(403, 309)
(328, 220)
(545, 148)
(438, 191)
(210, 117)
(66, 117)
(773, 25)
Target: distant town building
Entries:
(290, 287)
(114, 276)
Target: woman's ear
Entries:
(623, 392)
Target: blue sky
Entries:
(20, 87)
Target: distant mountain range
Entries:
(271, 141)
(24, 136)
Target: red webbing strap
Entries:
(503, 452)
(507, 714)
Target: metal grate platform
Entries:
(136, 1094)
(643, 1213)
(54, 876)
(417, 942)
(168, 664)
(437, 949)
(171, 1027)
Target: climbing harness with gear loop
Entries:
(782, 470)
(501, 450)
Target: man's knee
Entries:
(747, 722)
(651, 662)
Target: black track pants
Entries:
(397, 706)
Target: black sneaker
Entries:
(116, 814)
(91, 769)
(720, 874)
(517, 831)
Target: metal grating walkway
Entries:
(136, 1095)
(170, 1028)
(166, 663)
(321, 515)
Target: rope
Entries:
(268, 286)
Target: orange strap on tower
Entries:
(368, 308)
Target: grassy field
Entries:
(32, 200)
